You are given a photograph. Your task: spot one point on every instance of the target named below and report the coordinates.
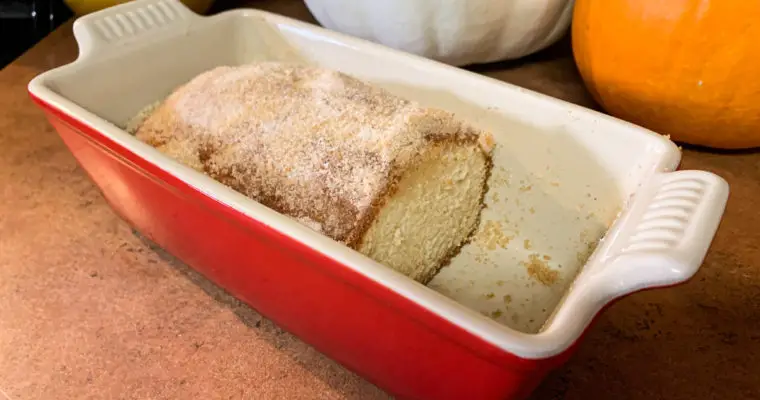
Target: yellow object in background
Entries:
(82, 7)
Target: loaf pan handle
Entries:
(115, 27)
(664, 238)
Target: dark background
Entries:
(24, 22)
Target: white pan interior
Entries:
(558, 181)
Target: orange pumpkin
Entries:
(686, 68)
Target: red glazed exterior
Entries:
(386, 338)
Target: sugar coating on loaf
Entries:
(317, 145)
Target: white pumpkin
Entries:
(457, 32)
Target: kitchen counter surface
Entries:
(89, 310)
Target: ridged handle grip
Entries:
(122, 24)
(664, 238)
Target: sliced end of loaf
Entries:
(430, 212)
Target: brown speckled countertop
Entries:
(88, 310)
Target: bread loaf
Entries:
(398, 182)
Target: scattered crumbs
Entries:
(554, 183)
(507, 299)
(500, 177)
(485, 313)
(515, 318)
(472, 282)
(588, 195)
(590, 215)
(543, 310)
(481, 258)
(531, 320)
(527, 244)
(495, 197)
(496, 313)
(500, 283)
(490, 295)
(547, 257)
(585, 236)
(583, 256)
(540, 271)
(492, 236)
(532, 210)
(526, 188)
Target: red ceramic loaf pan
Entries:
(595, 200)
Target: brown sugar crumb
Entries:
(487, 141)
(481, 258)
(507, 299)
(527, 244)
(495, 197)
(500, 283)
(490, 295)
(532, 210)
(496, 313)
(500, 177)
(526, 188)
(547, 257)
(492, 236)
(583, 256)
(554, 183)
(540, 271)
